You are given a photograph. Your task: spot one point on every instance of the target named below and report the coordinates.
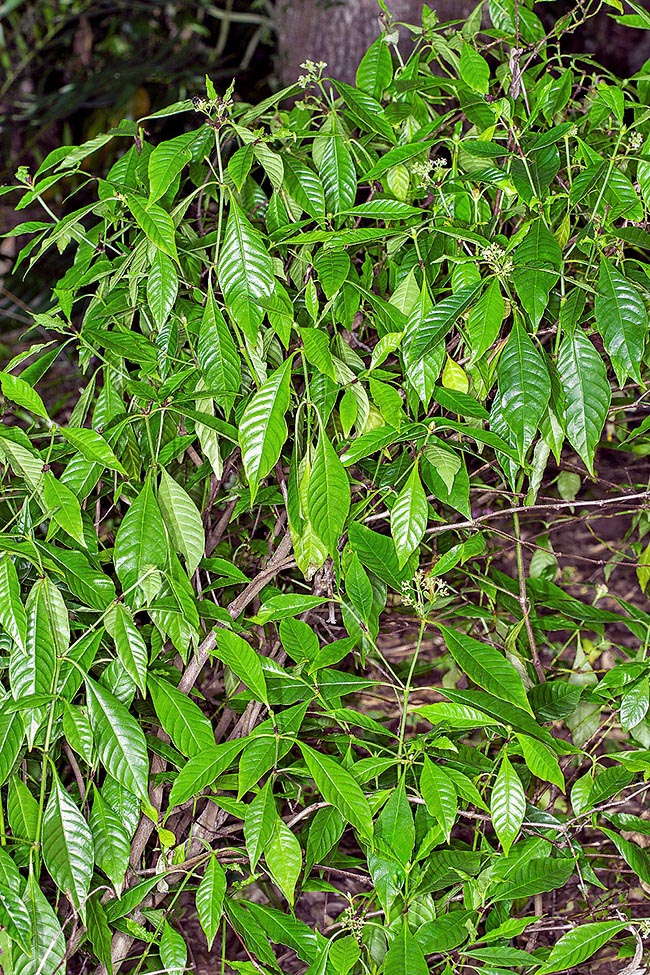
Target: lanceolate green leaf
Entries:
(487, 667)
(283, 858)
(209, 898)
(165, 163)
(156, 223)
(239, 655)
(259, 822)
(218, 356)
(507, 805)
(12, 612)
(131, 648)
(111, 841)
(19, 391)
(182, 719)
(524, 387)
(408, 517)
(405, 955)
(245, 269)
(12, 734)
(68, 846)
(141, 541)
(262, 429)
(120, 740)
(182, 520)
(48, 943)
(162, 287)
(65, 508)
(328, 494)
(578, 945)
(586, 393)
(202, 770)
(337, 787)
(92, 446)
(338, 174)
(621, 319)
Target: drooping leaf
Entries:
(262, 429)
(120, 741)
(162, 288)
(218, 356)
(621, 319)
(156, 223)
(587, 394)
(65, 508)
(182, 520)
(524, 387)
(485, 666)
(439, 793)
(245, 270)
(209, 898)
(182, 719)
(507, 805)
(141, 540)
(338, 175)
(408, 517)
(283, 858)
(239, 655)
(259, 822)
(328, 494)
(131, 648)
(68, 848)
(338, 787)
(12, 612)
(111, 841)
(405, 955)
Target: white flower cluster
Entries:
(635, 141)
(313, 69)
(427, 171)
(497, 260)
(423, 591)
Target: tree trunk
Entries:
(341, 32)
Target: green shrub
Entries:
(282, 622)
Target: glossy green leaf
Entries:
(131, 648)
(621, 319)
(533, 877)
(283, 858)
(262, 428)
(439, 793)
(203, 769)
(218, 356)
(474, 69)
(182, 719)
(507, 805)
(586, 392)
(141, 541)
(182, 520)
(68, 848)
(166, 161)
(12, 734)
(173, 950)
(12, 612)
(487, 667)
(259, 822)
(239, 655)
(111, 841)
(156, 223)
(162, 288)
(328, 496)
(338, 174)
(578, 945)
(20, 392)
(395, 826)
(524, 388)
(64, 506)
(337, 787)
(408, 517)
(332, 268)
(48, 943)
(405, 955)
(120, 741)
(245, 269)
(209, 898)
(541, 761)
(92, 446)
